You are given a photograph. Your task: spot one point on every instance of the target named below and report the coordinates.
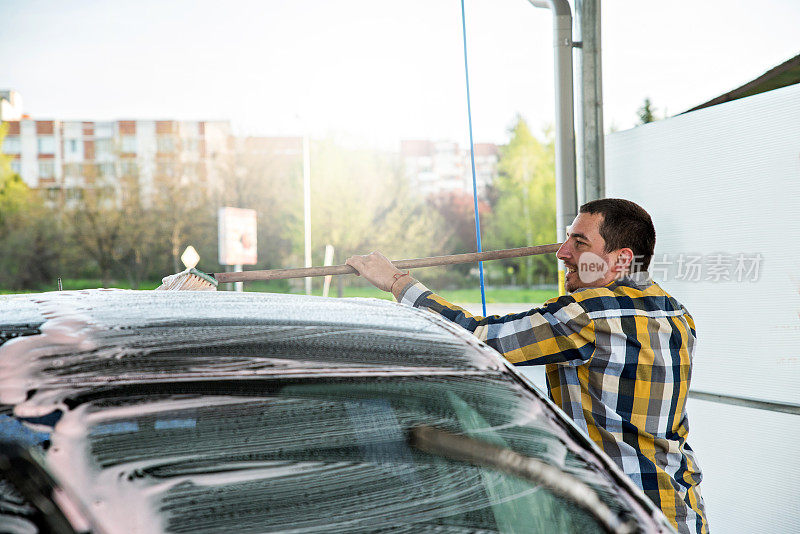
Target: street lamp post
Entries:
(307, 206)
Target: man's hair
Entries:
(625, 225)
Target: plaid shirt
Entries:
(618, 361)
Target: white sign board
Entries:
(237, 236)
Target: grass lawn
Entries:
(80, 283)
(493, 295)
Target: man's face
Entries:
(583, 253)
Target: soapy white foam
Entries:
(67, 328)
(114, 505)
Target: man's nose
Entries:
(564, 252)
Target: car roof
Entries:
(140, 321)
(91, 337)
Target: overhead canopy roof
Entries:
(787, 73)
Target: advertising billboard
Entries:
(237, 236)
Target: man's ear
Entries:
(623, 262)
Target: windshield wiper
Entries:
(481, 454)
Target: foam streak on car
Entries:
(212, 412)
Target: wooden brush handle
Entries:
(452, 259)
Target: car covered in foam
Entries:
(135, 411)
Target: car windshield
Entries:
(321, 455)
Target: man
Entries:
(617, 350)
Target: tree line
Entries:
(129, 233)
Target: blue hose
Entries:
(472, 159)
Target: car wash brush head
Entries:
(188, 280)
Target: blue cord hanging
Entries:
(472, 159)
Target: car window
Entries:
(321, 456)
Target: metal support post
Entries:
(566, 195)
(589, 130)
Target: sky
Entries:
(372, 71)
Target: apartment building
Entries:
(64, 157)
(272, 147)
(433, 167)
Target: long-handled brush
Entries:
(473, 257)
(192, 279)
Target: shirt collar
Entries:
(635, 279)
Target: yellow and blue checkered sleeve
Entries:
(558, 332)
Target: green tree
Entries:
(269, 182)
(362, 202)
(95, 225)
(14, 193)
(114, 225)
(457, 210)
(29, 232)
(141, 248)
(646, 113)
(524, 201)
(181, 203)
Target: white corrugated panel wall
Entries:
(723, 187)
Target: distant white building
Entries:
(64, 157)
(10, 105)
(434, 167)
